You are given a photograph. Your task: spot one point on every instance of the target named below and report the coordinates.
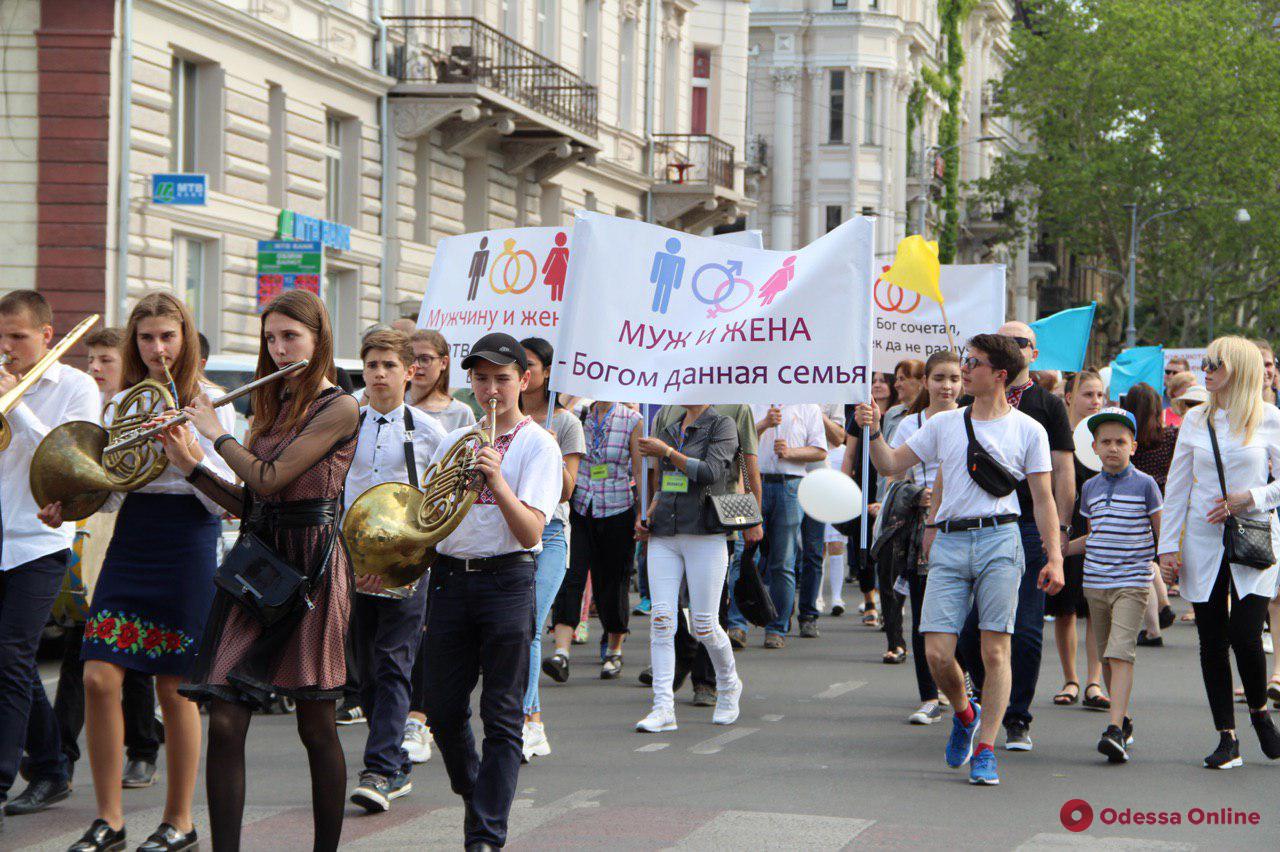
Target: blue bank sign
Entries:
(295, 226)
(179, 189)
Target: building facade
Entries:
(376, 127)
(829, 133)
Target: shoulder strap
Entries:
(1217, 456)
(410, 464)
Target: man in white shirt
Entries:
(482, 599)
(395, 444)
(33, 557)
(813, 533)
(977, 552)
(791, 437)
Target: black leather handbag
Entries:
(266, 586)
(1247, 541)
(984, 469)
(734, 511)
(751, 594)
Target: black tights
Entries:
(224, 779)
(1239, 630)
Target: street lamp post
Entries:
(926, 180)
(1242, 217)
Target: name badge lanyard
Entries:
(599, 434)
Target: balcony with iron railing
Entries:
(460, 52)
(693, 158)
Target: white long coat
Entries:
(1193, 486)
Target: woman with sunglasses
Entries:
(1230, 600)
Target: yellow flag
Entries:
(916, 268)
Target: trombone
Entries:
(392, 529)
(10, 400)
(80, 464)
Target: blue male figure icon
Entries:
(668, 269)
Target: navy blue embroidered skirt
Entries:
(156, 585)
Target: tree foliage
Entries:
(1163, 104)
(948, 84)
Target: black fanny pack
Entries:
(984, 469)
(267, 586)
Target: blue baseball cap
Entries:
(1114, 414)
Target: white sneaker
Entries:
(535, 741)
(659, 719)
(417, 741)
(928, 713)
(726, 712)
(1268, 644)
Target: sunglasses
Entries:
(1169, 372)
(1208, 365)
(972, 363)
(1023, 342)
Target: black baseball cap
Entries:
(497, 348)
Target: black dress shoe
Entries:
(39, 795)
(166, 838)
(138, 774)
(481, 846)
(100, 837)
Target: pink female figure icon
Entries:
(555, 267)
(777, 282)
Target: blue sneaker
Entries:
(642, 608)
(960, 744)
(982, 769)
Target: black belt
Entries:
(777, 477)
(503, 562)
(962, 524)
(294, 513)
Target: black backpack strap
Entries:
(410, 463)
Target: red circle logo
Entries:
(1076, 815)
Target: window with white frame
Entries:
(333, 130)
(189, 273)
(545, 27)
(869, 110)
(511, 18)
(627, 75)
(338, 290)
(701, 94)
(835, 107)
(184, 91)
(591, 41)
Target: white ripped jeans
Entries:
(703, 561)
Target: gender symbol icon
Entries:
(728, 277)
(666, 272)
(555, 267)
(514, 264)
(478, 262)
(778, 281)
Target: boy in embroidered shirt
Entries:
(395, 444)
(1122, 506)
(481, 612)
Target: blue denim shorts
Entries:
(983, 564)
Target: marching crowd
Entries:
(990, 514)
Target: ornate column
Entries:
(858, 93)
(782, 174)
(817, 120)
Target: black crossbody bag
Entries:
(1247, 541)
(984, 469)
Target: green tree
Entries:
(1163, 104)
(948, 84)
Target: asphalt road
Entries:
(821, 759)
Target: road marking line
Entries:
(714, 744)
(772, 717)
(653, 747)
(835, 690)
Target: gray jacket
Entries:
(710, 443)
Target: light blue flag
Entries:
(1063, 339)
(1139, 364)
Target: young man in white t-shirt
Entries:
(973, 545)
(481, 600)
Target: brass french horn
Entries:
(392, 529)
(80, 463)
(10, 400)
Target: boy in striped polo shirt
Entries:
(1122, 505)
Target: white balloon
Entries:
(829, 496)
(1084, 446)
